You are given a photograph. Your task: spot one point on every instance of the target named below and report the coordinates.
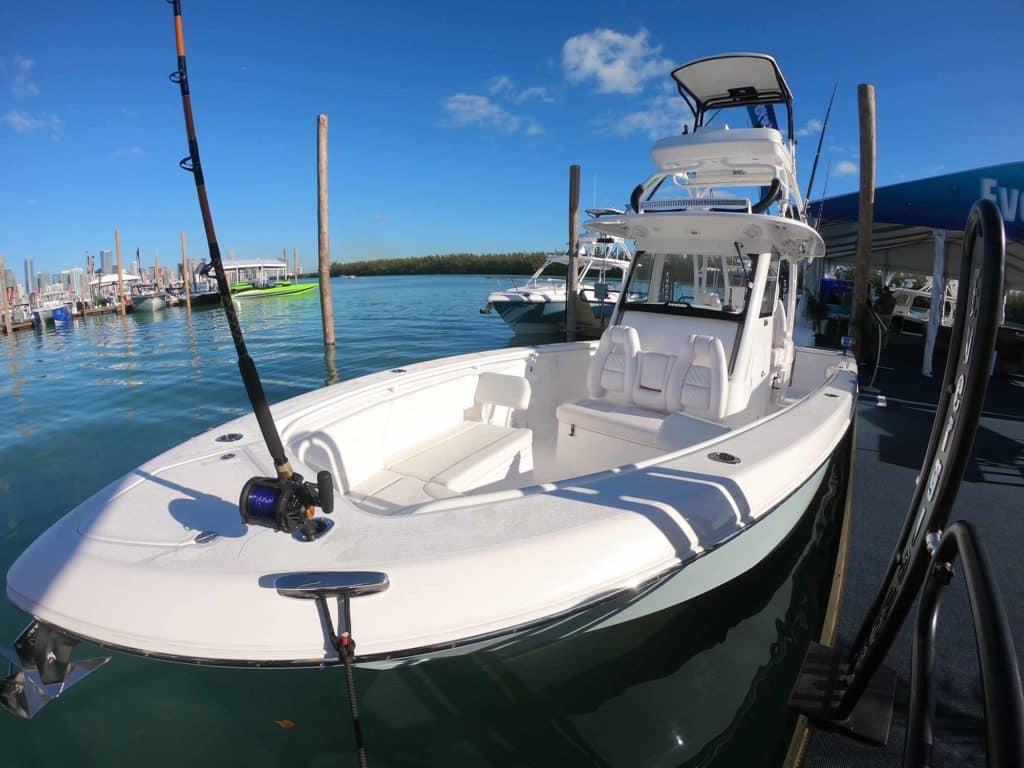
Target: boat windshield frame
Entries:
(753, 262)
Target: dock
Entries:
(892, 434)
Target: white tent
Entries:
(105, 281)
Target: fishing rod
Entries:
(824, 191)
(821, 140)
(284, 503)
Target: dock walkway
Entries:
(892, 435)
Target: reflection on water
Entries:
(81, 406)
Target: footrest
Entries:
(820, 687)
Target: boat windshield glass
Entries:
(704, 283)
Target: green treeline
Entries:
(448, 264)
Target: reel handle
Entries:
(325, 491)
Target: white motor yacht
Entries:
(538, 306)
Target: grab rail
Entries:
(1000, 676)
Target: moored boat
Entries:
(148, 298)
(538, 306)
(258, 290)
(680, 472)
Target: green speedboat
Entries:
(262, 290)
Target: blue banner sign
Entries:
(941, 202)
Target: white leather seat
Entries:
(473, 454)
(650, 384)
(672, 401)
(698, 384)
(613, 366)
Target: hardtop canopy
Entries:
(732, 80)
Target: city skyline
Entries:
(462, 152)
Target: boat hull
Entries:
(700, 682)
(703, 682)
(528, 318)
(265, 293)
(149, 303)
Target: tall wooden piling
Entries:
(4, 308)
(323, 239)
(90, 272)
(866, 209)
(571, 288)
(185, 276)
(120, 273)
(295, 261)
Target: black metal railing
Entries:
(997, 659)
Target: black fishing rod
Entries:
(284, 503)
(821, 140)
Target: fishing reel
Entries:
(288, 505)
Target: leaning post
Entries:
(323, 239)
(120, 273)
(574, 235)
(866, 208)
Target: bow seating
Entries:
(483, 450)
(642, 404)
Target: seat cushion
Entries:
(386, 492)
(502, 389)
(636, 425)
(467, 457)
(613, 366)
(651, 382)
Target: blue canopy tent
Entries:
(919, 226)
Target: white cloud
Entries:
(617, 62)
(812, 126)
(503, 87)
(660, 117)
(23, 122)
(473, 109)
(21, 85)
(133, 151)
(845, 168)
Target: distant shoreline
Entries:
(520, 263)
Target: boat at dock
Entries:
(538, 306)
(269, 288)
(513, 499)
(51, 307)
(510, 516)
(148, 298)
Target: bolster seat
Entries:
(674, 401)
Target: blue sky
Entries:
(451, 124)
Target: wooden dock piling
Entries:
(185, 277)
(120, 273)
(571, 288)
(323, 238)
(866, 208)
(4, 308)
(295, 260)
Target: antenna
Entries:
(821, 140)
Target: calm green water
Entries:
(85, 404)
